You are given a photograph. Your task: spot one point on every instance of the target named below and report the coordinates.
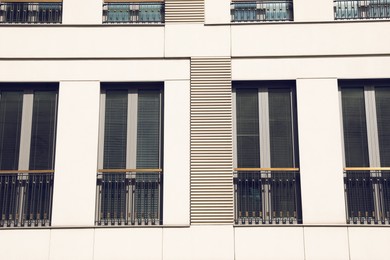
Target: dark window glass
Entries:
(115, 129)
(281, 128)
(247, 114)
(43, 130)
(11, 105)
(355, 128)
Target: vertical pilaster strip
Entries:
(211, 141)
(184, 11)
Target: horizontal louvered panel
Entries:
(211, 141)
(189, 11)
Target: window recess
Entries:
(261, 10)
(31, 12)
(366, 134)
(266, 172)
(28, 117)
(139, 12)
(129, 179)
(361, 9)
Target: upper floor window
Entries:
(28, 115)
(31, 12)
(361, 9)
(129, 179)
(366, 133)
(261, 10)
(150, 11)
(267, 188)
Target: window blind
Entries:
(355, 128)
(11, 105)
(247, 113)
(115, 129)
(382, 96)
(148, 153)
(281, 128)
(43, 130)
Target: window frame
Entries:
(131, 172)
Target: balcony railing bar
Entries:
(132, 198)
(367, 193)
(142, 12)
(361, 9)
(26, 199)
(267, 169)
(130, 170)
(367, 169)
(267, 196)
(30, 13)
(26, 171)
(269, 10)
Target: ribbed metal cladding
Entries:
(184, 11)
(211, 141)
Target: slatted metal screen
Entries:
(211, 141)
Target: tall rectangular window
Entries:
(366, 132)
(130, 166)
(28, 114)
(267, 186)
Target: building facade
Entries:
(197, 129)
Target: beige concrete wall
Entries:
(278, 39)
(320, 154)
(359, 67)
(199, 243)
(217, 11)
(76, 154)
(100, 70)
(82, 42)
(82, 12)
(176, 153)
(320, 10)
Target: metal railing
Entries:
(129, 197)
(267, 196)
(254, 11)
(367, 195)
(133, 13)
(30, 13)
(361, 9)
(26, 198)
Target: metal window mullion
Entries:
(264, 143)
(234, 114)
(265, 160)
(101, 128)
(373, 141)
(132, 129)
(160, 131)
(131, 147)
(25, 133)
(294, 128)
(372, 126)
(342, 127)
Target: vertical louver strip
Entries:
(211, 141)
(184, 11)
(11, 105)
